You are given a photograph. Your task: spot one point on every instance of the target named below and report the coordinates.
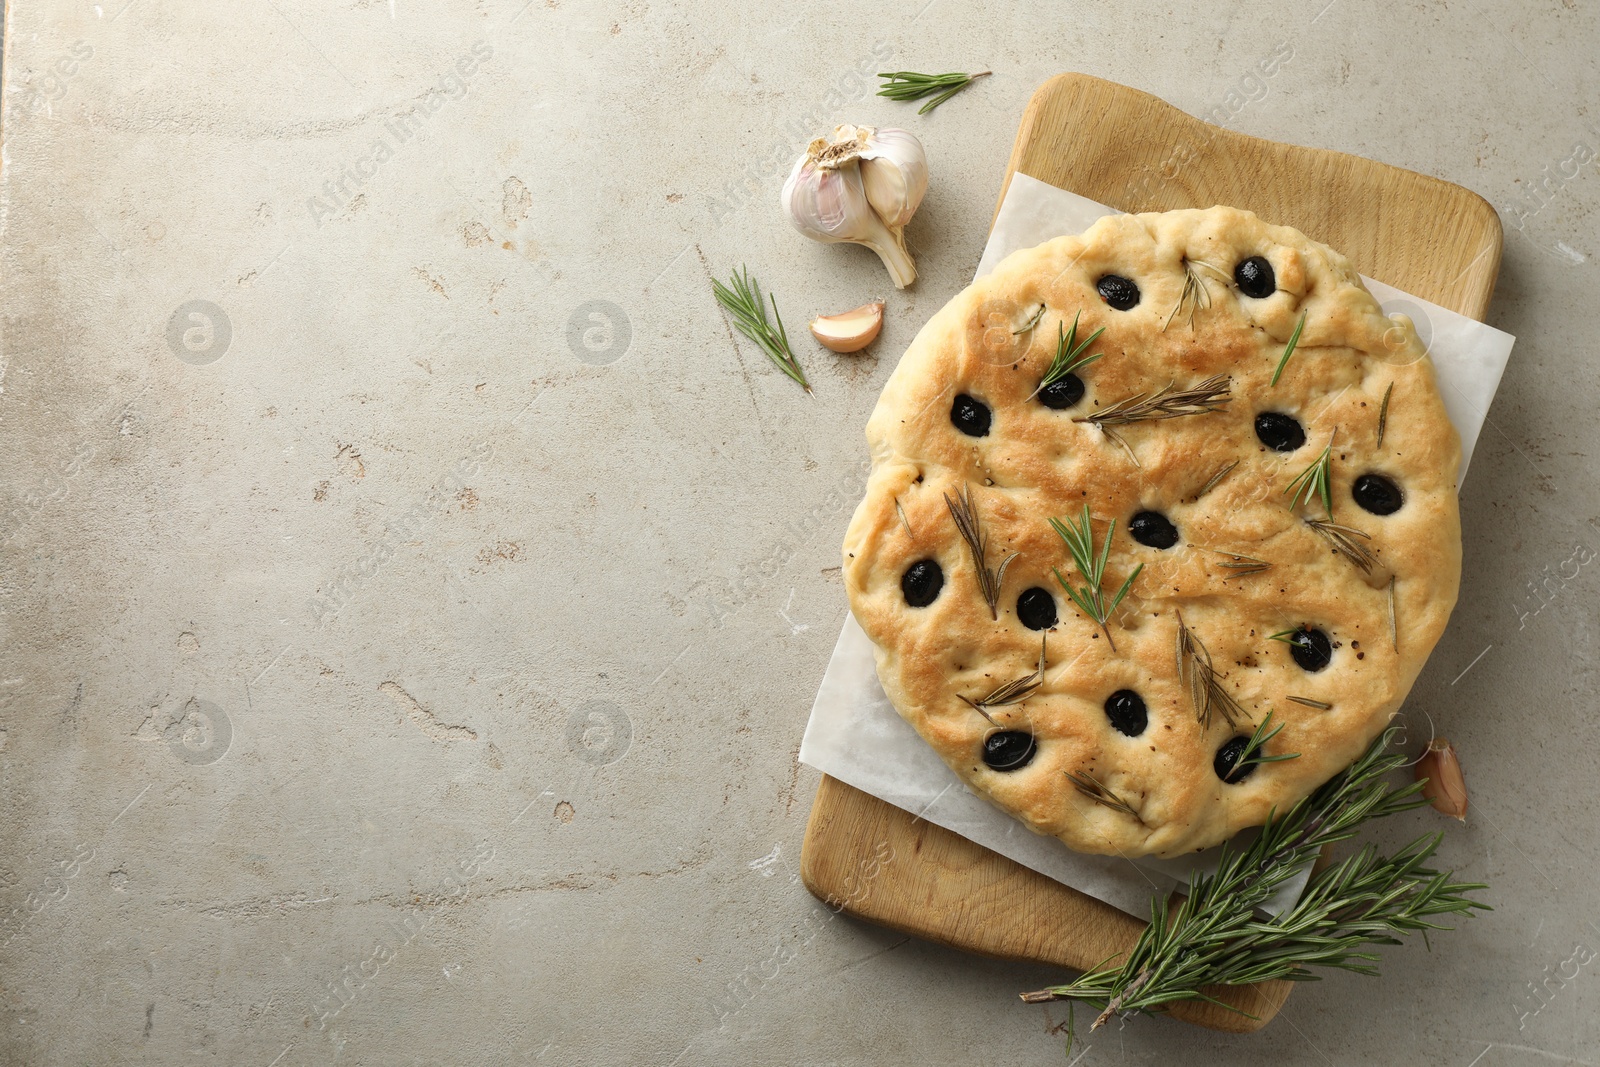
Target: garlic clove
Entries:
(1443, 783)
(827, 204)
(849, 331)
(894, 169)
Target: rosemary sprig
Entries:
(909, 85)
(1168, 402)
(1211, 483)
(1383, 414)
(1315, 481)
(1205, 689)
(1214, 936)
(965, 514)
(741, 298)
(1080, 545)
(1193, 290)
(1095, 790)
(1013, 692)
(1253, 754)
(1343, 540)
(1069, 355)
(1033, 321)
(1294, 339)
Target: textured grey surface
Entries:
(411, 673)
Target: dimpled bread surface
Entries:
(1035, 463)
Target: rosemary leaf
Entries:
(1308, 702)
(1243, 566)
(1079, 538)
(1294, 339)
(1031, 323)
(1394, 634)
(1168, 402)
(1069, 354)
(741, 298)
(965, 514)
(909, 85)
(903, 520)
(1213, 936)
(1383, 414)
(1211, 483)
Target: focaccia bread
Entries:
(1295, 548)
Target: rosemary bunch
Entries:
(1215, 936)
(909, 85)
(741, 298)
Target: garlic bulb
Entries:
(862, 186)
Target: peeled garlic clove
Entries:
(849, 331)
(1446, 786)
(826, 198)
(894, 170)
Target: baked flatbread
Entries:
(1252, 596)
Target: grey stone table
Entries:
(413, 594)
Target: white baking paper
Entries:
(855, 734)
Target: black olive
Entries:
(1062, 393)
(921, 583)
(1311, 649)
(1036, 608)
(970, 416)
(1279, 432)
(1377, 494)
(1153, 529)
(1227, 756)
(1009, 750)
(1127, 712)
(1255, 278)
(1118, 291)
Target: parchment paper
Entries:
(855, 734)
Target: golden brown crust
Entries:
(1036, 463)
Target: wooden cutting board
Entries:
(1129, 150)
